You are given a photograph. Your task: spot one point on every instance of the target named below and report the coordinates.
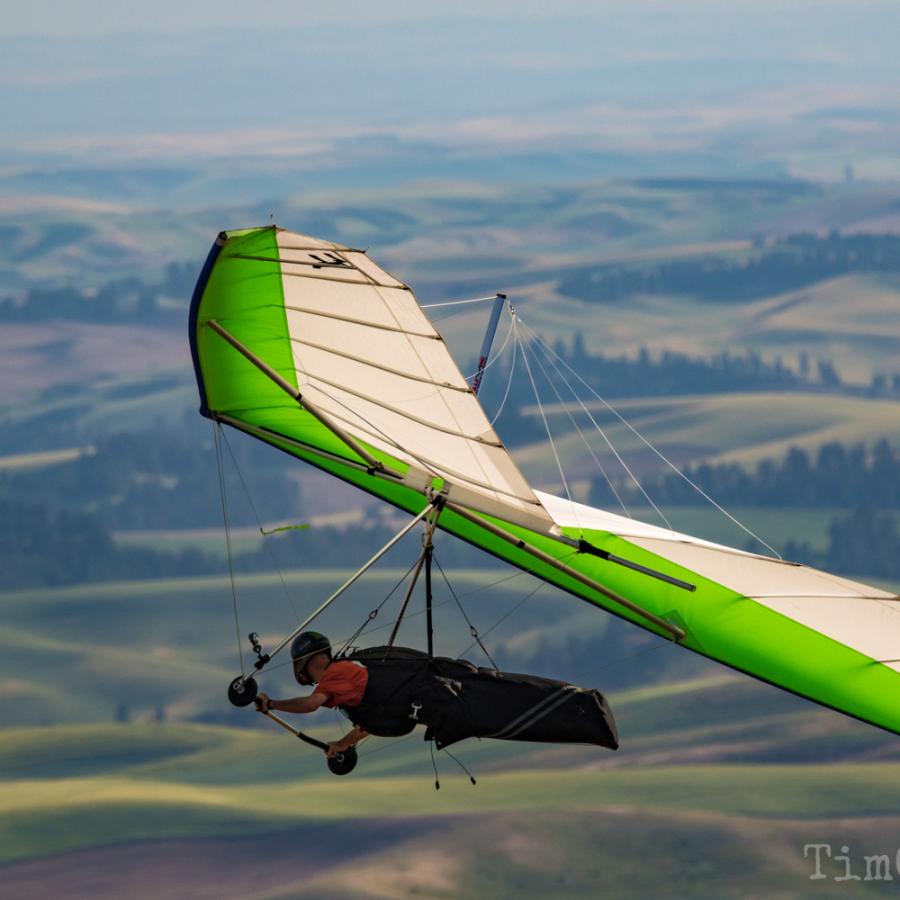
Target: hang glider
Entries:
(313, 348)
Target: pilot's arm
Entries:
(350, 739)
(296, 705)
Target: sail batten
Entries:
(390, 374)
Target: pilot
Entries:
(338, 683)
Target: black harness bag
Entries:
(456, 700)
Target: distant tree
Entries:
(839, 476)
(788, 264)
(865, 542)
(798, 552)
(578, 349)
(885, 476)
(878, 384)
(155, 479)
(794, 483)
(828, 374)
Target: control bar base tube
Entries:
(676, 632)
(303, 737)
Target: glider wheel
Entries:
(344, 763)
(242, 692)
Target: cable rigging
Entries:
(550, 352)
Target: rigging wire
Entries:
(221, 470)
(615, 662)
(585, 441)
(596, 425)
(512, 368)
(410, 615)
(553, 387)
(473, 631)
(546, 425)
(519, 604)
(429, 467)
(456, 302)
(265, 534)
(659, 454)
(485, 587)
(345, 642)
(373, 613)
(388, 745)
(506, 615)
(372, 425)
(495, 356)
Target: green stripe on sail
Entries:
(246, 298)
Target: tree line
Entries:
(57, 522)
(48, 546)
(836, 475)
(864, 480)
(671, 373)
(45, 546)
(159, 479)
(58, 536)
(865, 542)
(788, 264)
(122, 300)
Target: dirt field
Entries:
(238, 868)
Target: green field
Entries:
(719, 781)
(689, 801)
(170, 643)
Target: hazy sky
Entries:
(116, 79)
(92, 17)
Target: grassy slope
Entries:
(774, 791)
(555, 820)
(687, 746)
(445, 235)
(743, 428)
(847, 320)
(171, 642)
(167, 646)
(617, 852)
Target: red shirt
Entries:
(343, 683)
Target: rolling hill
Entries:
(708, 789)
